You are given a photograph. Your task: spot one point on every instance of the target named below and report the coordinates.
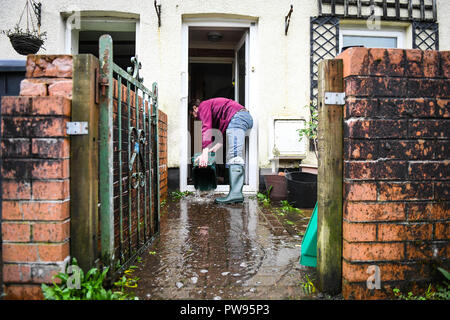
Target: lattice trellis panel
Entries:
(425, 35)
(324, 45)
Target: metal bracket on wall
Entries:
(77, 128)
(335, 98)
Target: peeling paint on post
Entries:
(106, 150)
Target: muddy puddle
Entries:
(210, 251)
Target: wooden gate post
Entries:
(84, 163)
(329, 180)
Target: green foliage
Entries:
(442, 292)
(90, 286)
(287, 207)
(18, 31)
(177, 195)
(310, 129)
(265, 197)
(308, 286)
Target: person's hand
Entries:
(203, 160)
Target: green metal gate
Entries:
(128, 160)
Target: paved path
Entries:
(209, 251)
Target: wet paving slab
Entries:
(214, 252)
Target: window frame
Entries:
(398, 33)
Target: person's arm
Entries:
(205, 115)
(216, 147)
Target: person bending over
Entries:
(233, 120)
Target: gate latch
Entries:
(336, 98)
(77, 128)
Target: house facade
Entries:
(264, 54)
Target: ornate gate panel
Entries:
(129, 152)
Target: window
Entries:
(371, 38)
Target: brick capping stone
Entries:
(396, 169)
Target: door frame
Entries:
(253, 182)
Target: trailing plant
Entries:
(287, 207)
(87, 286)
(310, 129)
(265, 197)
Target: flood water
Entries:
(210, 251)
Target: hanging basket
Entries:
(29, 39)
(25, 44)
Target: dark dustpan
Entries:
(204, 179)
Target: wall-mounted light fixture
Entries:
(214, 36)
(287, 20)
(157, 4)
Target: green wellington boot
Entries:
(236, 174)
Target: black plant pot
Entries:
(25, 44)
(301, 189)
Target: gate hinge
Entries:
(336, 98)
(77, 128)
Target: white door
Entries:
(241, 72)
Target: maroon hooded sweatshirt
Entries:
(216, 113)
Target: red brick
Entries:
(51, 190)
(401, 108)
(11, 210)
(431, 64)
(428, 211)
(386, 62)
(43, 273)
(57, 105)
(16, 252)
(372, 251)
(355, 61)
(442, 230)
(16, 148)
(392, 271)
(361, 232)
(414, 64)
(375, 128)
(16, 231)
(59, 66)
(422, 250)
(53, 252)
(51, 148)
(429, 170)
(56, 211)
(61, 88)
(357, 191)
(402, 232)
(442, 191)
(362, 211)
(443, 108)
(424, 88)
(16, 273)
(23, 292)
(30, 88)
(51, 232)
(429, 129)
(50, 169)
(445, 63)
(16, 190)
(379, 87)
(12, 105)
(358, 291)
(33, 127)
(379, 170)
(395, 191)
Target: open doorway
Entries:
(217, 68)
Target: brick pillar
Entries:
(162, 129)
(35, 169)
(396, 169)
